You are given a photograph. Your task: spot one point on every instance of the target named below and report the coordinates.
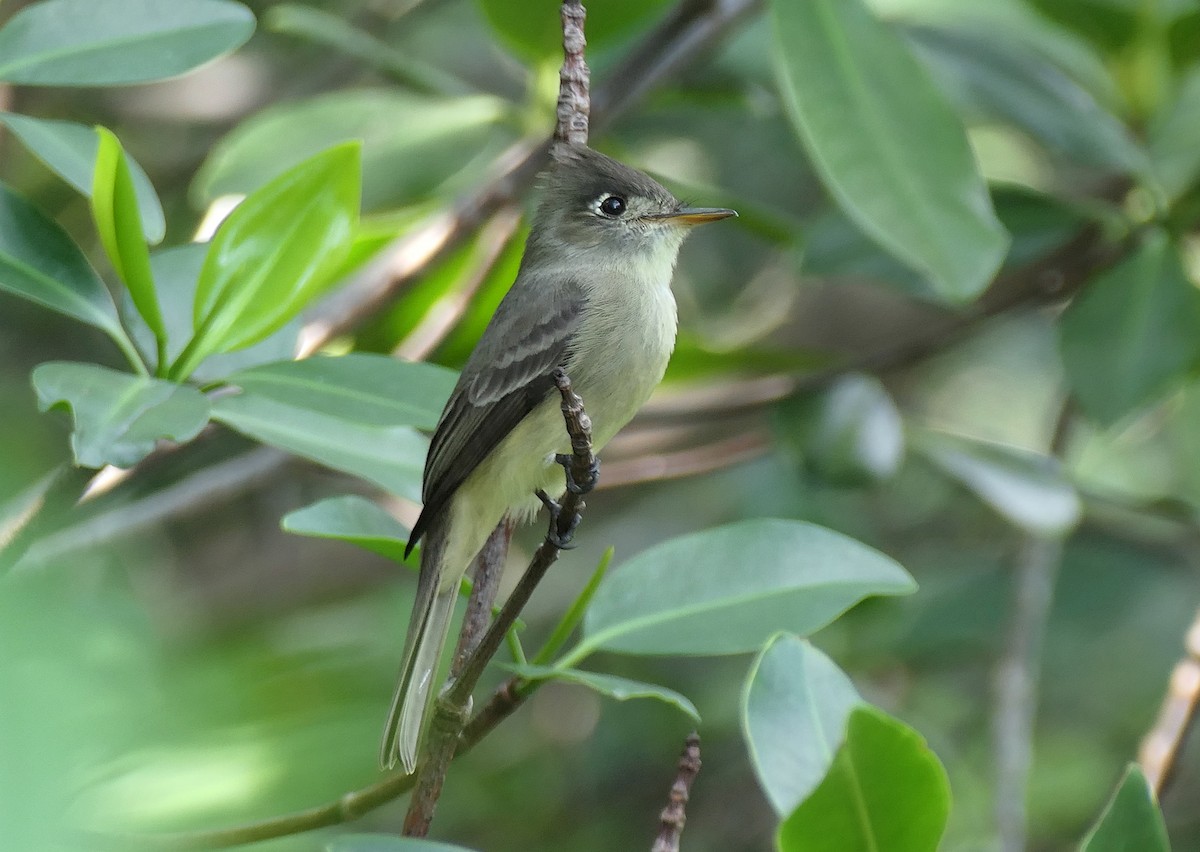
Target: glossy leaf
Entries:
(611, 686)
(88, 43)
(274, 254)
(69, 149)
(1003, 79)
(40, 262)
(1133, 333)
(119, 417)
(885, 790)
(115, 212)
(1131, 822)
(728, 589)
(392, 457)
(533, 30)
(886, 144)
(410, 143)
(1030, 490)
(353, 519)
(374, 390)
(794, 710)
(387, 843)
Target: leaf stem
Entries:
(125, 344)
(571, 618)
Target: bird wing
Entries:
(506, 377)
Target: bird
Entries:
(592, 297)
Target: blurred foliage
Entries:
(959, 312)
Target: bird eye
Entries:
(613, 205)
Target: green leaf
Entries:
(115, 212)
(1172, 137)
(794, 710)
(620, 688)
(1030, 490)
(885, 143)
(885, 791)
(1131, 822)
(354, 519)
(375, 390)
(388, 843)
(1133, 333)
(1001, 78)
(727, 589)
(533, 30)
(392, 457)
(274, 254)
(411, 143)
(86, 43)
(69, 149)
(849, 434)
(119, 417)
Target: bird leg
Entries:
(557, 535)
(573, 485)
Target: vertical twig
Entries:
(1163, 743)
(574, 80)
(674, 815)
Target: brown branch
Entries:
(574, 79)
(674, 815)
(1165, 740)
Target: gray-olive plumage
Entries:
(592, 296)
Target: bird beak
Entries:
(695, 215)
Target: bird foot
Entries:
(557, 535)
(573, 485)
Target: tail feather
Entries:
(427, 632)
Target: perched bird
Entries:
(592, 296)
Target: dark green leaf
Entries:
(387, 843)
(1003, 79)
(274, 254)
(392, 457)
(1111, 24)
(374, 390)
(119, 417)
(532, 28)
(885, 790)
(727, 589)
(1030, 490)
(794, 710)
(1131, 822)
(886, 144)
(88, 43)
(354, 519)
(115, 212)
(70, 150)
(622, 689)
(1133, 333)
(410, 143)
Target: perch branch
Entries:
(1165, 740)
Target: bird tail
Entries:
(427, 631)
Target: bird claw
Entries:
(573, 485)
(560, 538)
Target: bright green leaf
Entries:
(410, 143)
(387, 843)
(353, 519)
(70, 150)
(1003, 79)
(374, 390)
(1133, 333)
(1030, 490)
(119, 417)
(274, 254)
(1131, 821)
(727, 589)
(90, 43)
(392, 457)
(620, 688)
(115, 212)
(885, 791)
(794, 710)
(533, 30)
(886, 144)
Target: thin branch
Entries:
(574, 80)
(674, 815)
(1165, 740)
